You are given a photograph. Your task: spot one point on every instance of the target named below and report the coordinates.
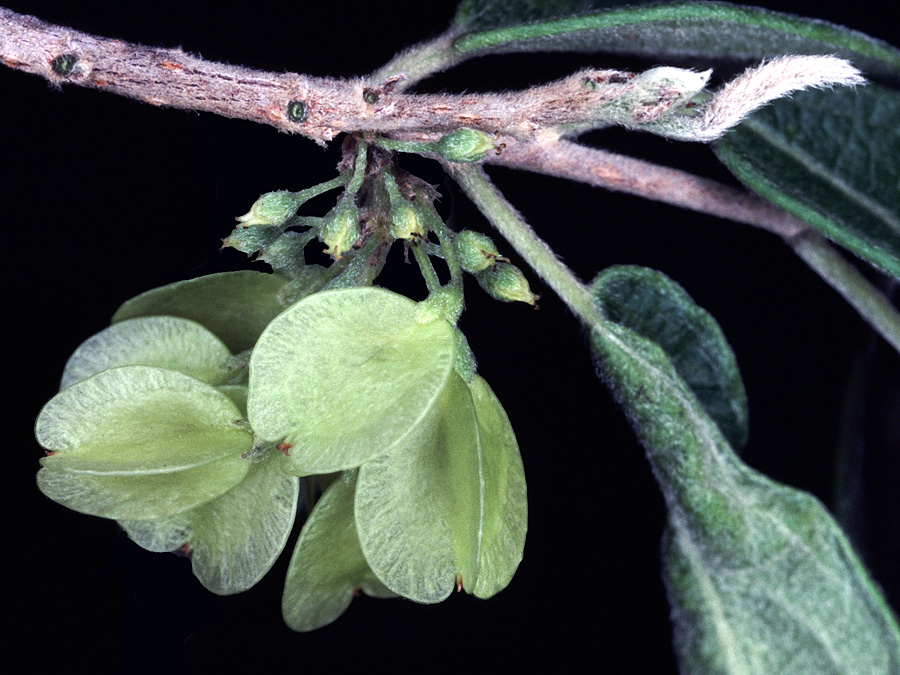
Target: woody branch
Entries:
(319, 108)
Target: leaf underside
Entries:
(328, 566)
(652, 305)
(139, 420)
(160, 341)
(419, 509)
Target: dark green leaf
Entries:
(655, 307)
(478, 15)
(760, 578)
(234, 306)
(699, 29)
(833, 160)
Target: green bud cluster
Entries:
(160, 427)
(264, 230)
(405, 222)
(477, 254)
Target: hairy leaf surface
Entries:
(161, 341)
(343, 376)
(420, 509)
(328, 565)
(238, 395)
(139, 420)
(760, 578)
(505, 500)
(141, 496)
(652, 305)
(235, 538)
(698, 29)
(833, 160)
(234, 306)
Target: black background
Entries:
(104, 198)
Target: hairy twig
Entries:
(612, 171)
(319, 108)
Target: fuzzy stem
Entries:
(612, 171)
(404, 146)
(359, 169)
(321, 108)
(445, 236)
(322, 188)
(679, 188)
(418, 62)
(534, 250)
(431, 278)
(843, 277)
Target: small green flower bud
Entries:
(251, 239)
(405, 222)
(273, 208)
(340, 230)
(475, 251)
(464, 145)
(507, 283)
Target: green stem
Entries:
(445, 236)
(404, 146)
(843, 277)
(418, 62)
(425, 266)
(359, 168)
(534, 250)
(321, 188)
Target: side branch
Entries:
(621, 173)
(600, 168)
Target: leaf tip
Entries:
(773, 79)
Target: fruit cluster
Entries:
(192, 426)
(192, 418)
